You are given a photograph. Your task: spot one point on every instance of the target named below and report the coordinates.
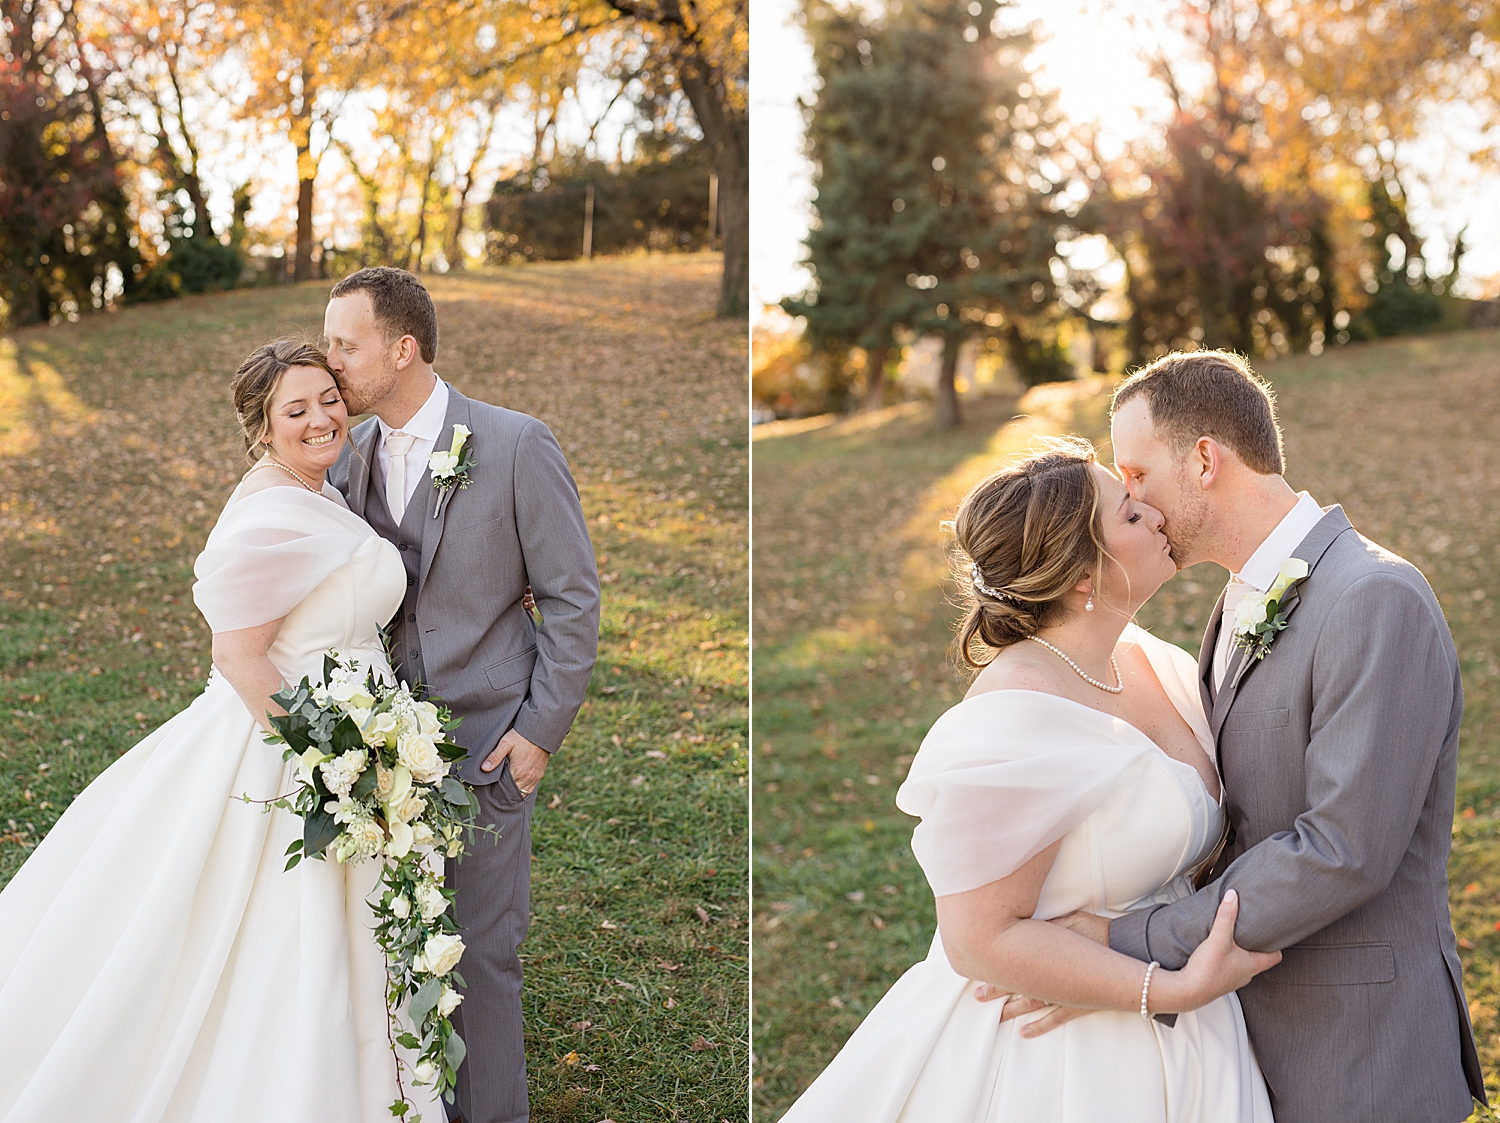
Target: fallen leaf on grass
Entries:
(665, 966)
(704, 917)
(608, 924)
(703, 1043)
(579, 1027)
(570, 1059)
(554, 803)
(656, 754)
(669, 1003)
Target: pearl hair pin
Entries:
(993, 593)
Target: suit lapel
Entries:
(1311, 550)
(359, 467)
(439, 499)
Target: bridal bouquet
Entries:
(373, 782)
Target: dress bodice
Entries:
(1156, 826)
(344, 612)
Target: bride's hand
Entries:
(1218, 966)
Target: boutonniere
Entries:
(1259, 619)
(451, 469)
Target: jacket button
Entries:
(415, 655)
(402, 547)
(412, 619)
(410, 581)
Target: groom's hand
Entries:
(1087, 924)
(527, 761)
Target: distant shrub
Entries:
(656, 205)
(192, 265)
(1399, 309)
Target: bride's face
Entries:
(1133, 536)
(308, 421)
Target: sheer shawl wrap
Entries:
(1003, 775)
(268, 551)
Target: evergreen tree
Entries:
(939, 179)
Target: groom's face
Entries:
(358, 352)
(1157, 475)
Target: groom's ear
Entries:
(406, 351)
(1206, 461)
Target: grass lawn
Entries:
(853, 657)
(117, 450)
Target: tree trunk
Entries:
(875, 360)
(948, 416)
(727, 133)
(302, 270)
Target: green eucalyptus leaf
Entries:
(424, 1000)
(455, 1051)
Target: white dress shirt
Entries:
(426, 426)
(1261, 571)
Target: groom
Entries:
(1338, 751)
(463, 631)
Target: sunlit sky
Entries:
(1088, 56)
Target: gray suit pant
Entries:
(493, 887)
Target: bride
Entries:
(1077, 774)
(156, 963)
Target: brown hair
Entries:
(1033, 531)
(1210, 394)
(401, 304)
(255, 383)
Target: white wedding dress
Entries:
(998, 778)
(157, 965)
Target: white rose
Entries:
(405, 810)
(420, 754)
(427, 718)
(460, 436)
(425, 1073)
(421, 835)
(448, 1001)
(439, 955)
(1250, 611)
(431, 901)
(401, 906)
(321, 696)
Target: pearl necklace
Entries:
(1119, 681)
(295, 474)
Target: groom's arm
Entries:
(560, 566)
(1384, 692)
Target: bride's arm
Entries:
(241, 657)
(988, 933)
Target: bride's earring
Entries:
(1089, 604)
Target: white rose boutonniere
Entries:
(451, 469)
(1259, 619)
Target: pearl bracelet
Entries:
(1146, 988)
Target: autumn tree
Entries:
(65, 228)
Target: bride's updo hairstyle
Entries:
(255, 383)
(1032, 532)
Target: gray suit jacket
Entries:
(1339, 751)
(519, 521)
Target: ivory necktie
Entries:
(1234, 592)
(398, 444)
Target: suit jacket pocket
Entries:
(1333, 965)
(453, 533)
(1250, 722)
(510, 671)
